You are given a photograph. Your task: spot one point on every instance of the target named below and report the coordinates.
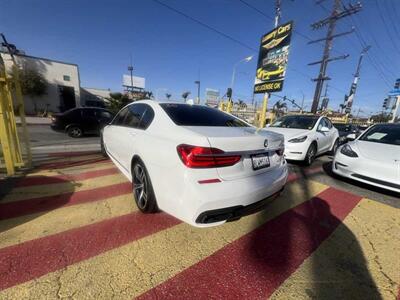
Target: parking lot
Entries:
(70, 229)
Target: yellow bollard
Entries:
(264, 111)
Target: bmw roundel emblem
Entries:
(266, 143)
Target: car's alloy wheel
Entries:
(310, 156)
(75, 132)
(142, 189)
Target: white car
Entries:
(306, 136)
(373, 158)
(199, 164)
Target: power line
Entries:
(205, 25)
(270, 18)
(227, 36)
(336, 14)
(386, 26)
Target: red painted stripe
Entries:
(39, 180)
(255, 265)
(66, 164)
(35, 258)
(35, 205)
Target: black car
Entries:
(79, 121)
(345, 130)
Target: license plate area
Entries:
(260, 161)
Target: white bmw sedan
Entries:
(306, 136)
(199, 164)
(373, 158)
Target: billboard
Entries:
(212, 97)
(136, 82)
(273, 59)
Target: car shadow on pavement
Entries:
(24, 199)
(312, 245)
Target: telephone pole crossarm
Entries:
(338, 12)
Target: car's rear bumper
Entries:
(239, 197)
(347, 167)
(235, 212)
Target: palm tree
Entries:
(185, 95)
(279, 108)
(168, 95)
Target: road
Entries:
(69, 229)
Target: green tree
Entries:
(185, 95)
(279, 108)
(118, 101)
(33, 84)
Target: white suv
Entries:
(306, 136)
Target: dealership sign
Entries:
(133, 82)
(273, 59)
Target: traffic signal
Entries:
(397, 84)
(229, 93)
(385, 103)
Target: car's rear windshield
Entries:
(198, 115)
(297, 122)
(342, 127)
(384, 134)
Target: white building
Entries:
(63, 90)
(95, 97)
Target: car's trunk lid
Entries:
(246, 141)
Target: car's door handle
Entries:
(132, 133)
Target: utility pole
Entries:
(266, 95)
(198, 91)
(349, 99)
(337, 13)
(130, 69)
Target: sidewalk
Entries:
(35, 121)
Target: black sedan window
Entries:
(198, 115)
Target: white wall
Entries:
(54, 73)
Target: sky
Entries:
(172, 51)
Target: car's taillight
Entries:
(205, 157)
(280, 151)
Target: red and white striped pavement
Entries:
(70, 229)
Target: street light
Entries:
(246, 59)
(198, 91)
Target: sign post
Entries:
(272, 63)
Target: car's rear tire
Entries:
(143, 189)
(310, 155)
(75, 131)
(335, 146)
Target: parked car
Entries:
(373, 158)
(306, 136)
(199, 164)
(345, 130)
(79, 121)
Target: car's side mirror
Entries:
(324, 129)
(351, 136)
